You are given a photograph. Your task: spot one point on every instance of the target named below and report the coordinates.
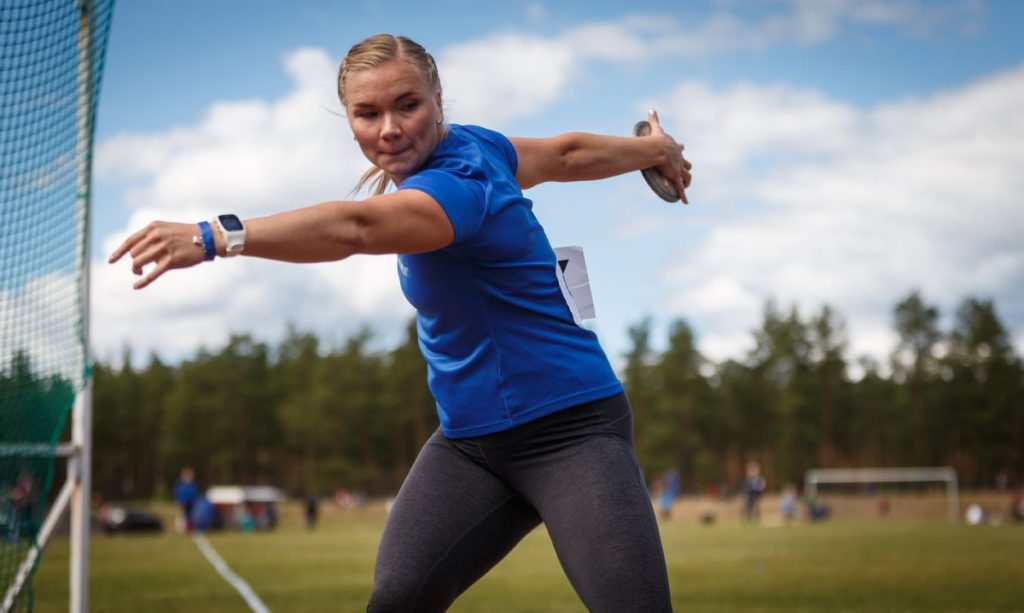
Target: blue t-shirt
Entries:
(498, 337)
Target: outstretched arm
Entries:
(579, 156)
(407, 221)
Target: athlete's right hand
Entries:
(167, 245)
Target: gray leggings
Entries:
(467, 502)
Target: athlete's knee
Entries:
(386, 603)
(608, 594)
(389, 601)
(412, 595)
(392, 597)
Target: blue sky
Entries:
(846, 152)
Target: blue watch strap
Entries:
(208, 245)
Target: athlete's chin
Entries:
(399, 168)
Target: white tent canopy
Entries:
(238, 494)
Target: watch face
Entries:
(231, 223)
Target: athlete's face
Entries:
(395, 116)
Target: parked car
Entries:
(125, 519)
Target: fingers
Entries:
(167, 245)
(681, 188)
(153, 274)
(146, 250)
(682, 179)
(652, 118)
(128, 244)
(148, 256)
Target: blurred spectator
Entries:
(185, 494)
(23, 497)
(348, 500)
(310, 512)
(816, 511)
(1017, 508)
(271, 515)
(753, 487)
(243, 518)
(787, 503)
(669, 492)
(204, 515)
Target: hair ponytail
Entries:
(376, 179)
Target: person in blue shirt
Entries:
(535, 427)
(185, 494)
(670, 488)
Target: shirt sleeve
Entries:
(459, 191)
(504, 145)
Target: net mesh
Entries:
(51, 63)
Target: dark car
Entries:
(123, 519)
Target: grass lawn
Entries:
(841, 565)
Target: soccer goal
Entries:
(51, 63)
(869, 476)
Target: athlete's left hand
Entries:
(676, 168)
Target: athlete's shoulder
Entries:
(493, 138)
(478, 131)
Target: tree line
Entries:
(313, 419)
(952, 397)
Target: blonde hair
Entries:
(370, 53)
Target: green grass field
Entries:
(840, 565)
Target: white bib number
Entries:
(571, 270)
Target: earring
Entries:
(439, 121)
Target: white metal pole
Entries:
(80, 467)
(954, 497)
(42, 538)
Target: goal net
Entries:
(51, 63)
(838, 480)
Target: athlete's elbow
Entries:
(576, 162)
(355, 237)
(348, 232)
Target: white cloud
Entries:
(747, 130)
(811, 22)
(497, 78)
(917, 194)
(818, 20)
(851, 208)
(500, 77)
(248, 157)
(494, 80)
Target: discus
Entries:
(665, 189)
